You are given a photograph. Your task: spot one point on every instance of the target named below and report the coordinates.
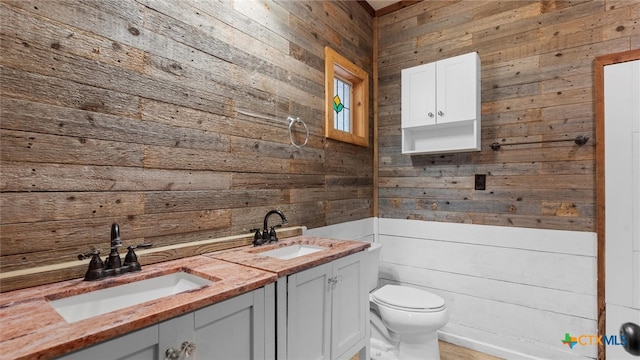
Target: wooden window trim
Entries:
(337, 65)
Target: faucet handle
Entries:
(96, 265)
(131, 255)
(273, 237)
(94, 252)
(131, 259)
(257, 237)
(141, 246)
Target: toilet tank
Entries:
(372, 263)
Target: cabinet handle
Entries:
(430, 114)
(172, 354)
(440, 113)
(186, 349)
(333, 281)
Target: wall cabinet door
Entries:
(441, 106)
(457, 88)
(419, 95)
(326, 310)
(231, 329)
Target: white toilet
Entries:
(404, 320)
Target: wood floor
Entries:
(454, 352)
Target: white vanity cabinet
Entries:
(441, 106)
(231, 329)
(326, 311)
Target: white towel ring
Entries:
(292, 121)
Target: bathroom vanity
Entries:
(240, 321)
(323, 310)
(232, 316)
(326, 308)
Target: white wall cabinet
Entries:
(327, 311)
(441, 106)
(232, 329)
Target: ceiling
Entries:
(379, 4)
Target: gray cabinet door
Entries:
(138, 345)
(309, 314)
(233, 329)
(350, 305)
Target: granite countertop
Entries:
(251, 255)
(31, 329)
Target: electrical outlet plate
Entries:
(481, 182)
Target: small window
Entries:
(341, 105)
(347, 100)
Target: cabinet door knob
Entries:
(333, 281)
(186, 349)
(430, 114)
(172, 354)
(440, 113)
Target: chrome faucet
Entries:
(268, 235)
(113, 264)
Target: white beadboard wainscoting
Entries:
(511, 292)
(360, 230)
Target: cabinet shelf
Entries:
(441, 138)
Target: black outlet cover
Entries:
(481, 182)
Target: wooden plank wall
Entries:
(169, 118)
(537, 84)
(510, 292)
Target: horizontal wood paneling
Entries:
(537, 85)
(170, 118)
(510, 291)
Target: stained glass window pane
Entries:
(341, 105)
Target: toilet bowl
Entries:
(404, 320)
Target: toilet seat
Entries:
(407, 299)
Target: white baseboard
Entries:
(501, 352)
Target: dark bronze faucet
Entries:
(113, 264)
(268, 235)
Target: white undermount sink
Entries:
(98, 302)
(292, 251)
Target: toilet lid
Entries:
(407, 298)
